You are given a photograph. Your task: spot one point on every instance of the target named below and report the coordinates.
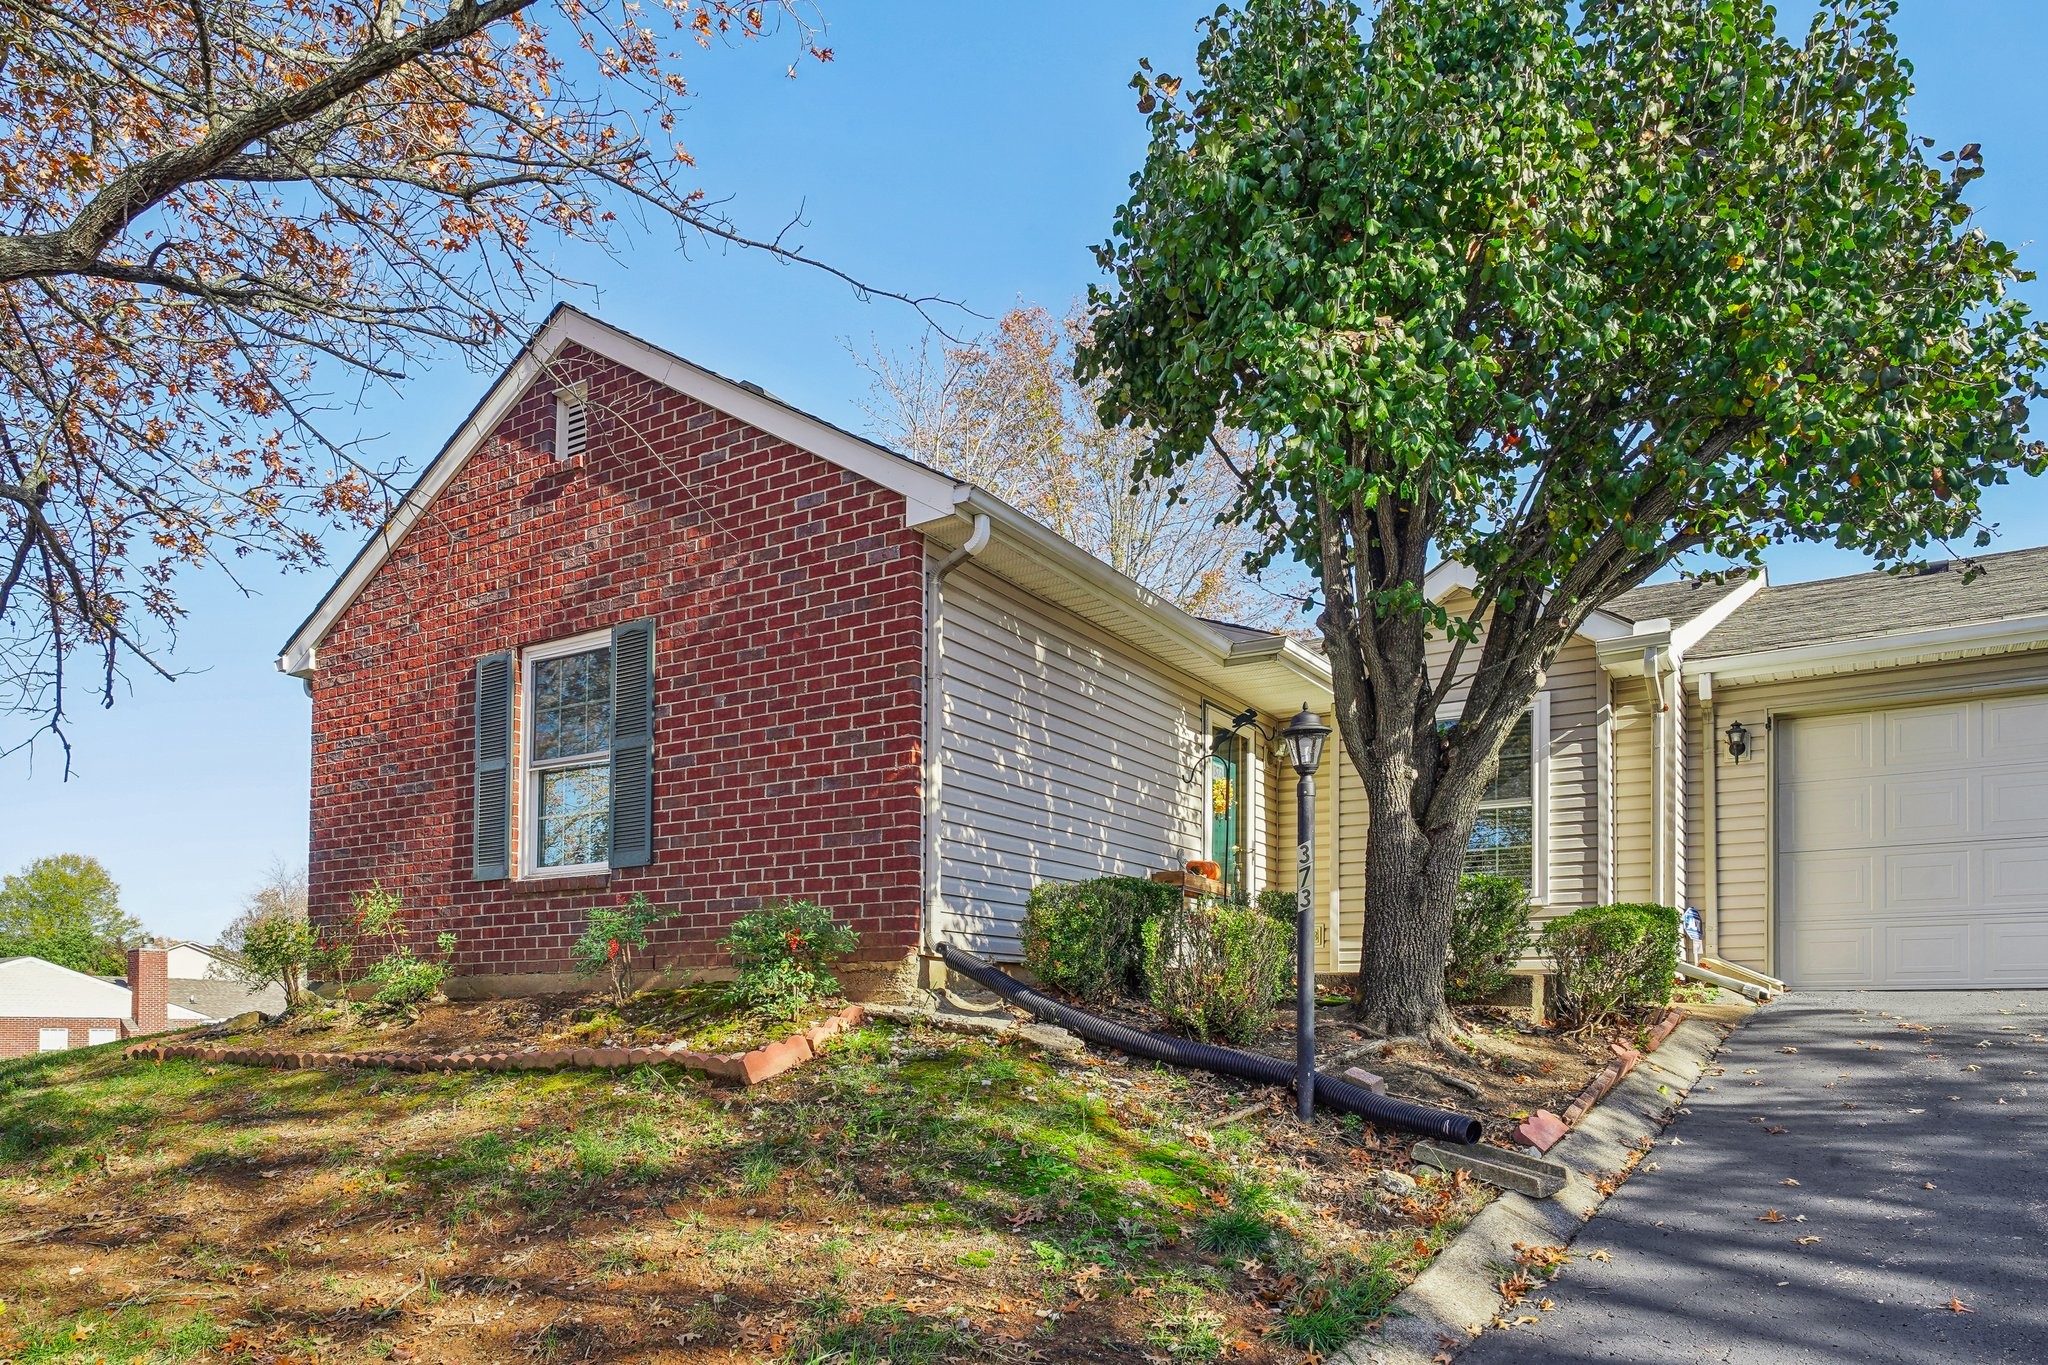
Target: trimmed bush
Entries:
(404, 979)
(1085, 938)
(1215, 968)
(612, 934)
(1489, 930)
(781, 953)
(1612, 961)
(1278, 903)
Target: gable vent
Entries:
(572, 426)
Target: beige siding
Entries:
(1743, 836)
(1634, 789)
(1063, 756)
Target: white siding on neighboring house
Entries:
(1062, 757)
(31, 988)
(190, 962)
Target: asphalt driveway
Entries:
(1905, 1132)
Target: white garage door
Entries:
(1913, 846)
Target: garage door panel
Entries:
(1917, 810)
(1836, 955)
(2015, 730)
(1829, 885)
(2016, 876)
(2014, 951)
(1822, 815)
(1833, 746)
(1912, 846)
(1931, 879)
(2016, 803)
(1927, 736)
(1928, 953)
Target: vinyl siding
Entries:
(1634, 789)
(1744, 836)
(1062, 757)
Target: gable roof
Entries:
(926, 492)
(1266, 668)
(1877, 604)
(1677, 602)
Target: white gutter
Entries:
(1710, 837)
(1122, 588)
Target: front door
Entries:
(1227, 809)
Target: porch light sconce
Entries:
(1738, 741)
(1301, 741)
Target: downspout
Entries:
(1660, 776)
(1710, 836)
(934, 701)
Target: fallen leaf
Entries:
(1806, 1241)
(1927, 1184)
(1601, 1255)
(1773, 1129)
(1958, 1306)
(1770, 1216)
(1788, 1182)
(1788, 1049)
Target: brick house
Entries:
(643, 628)
(47, 1008)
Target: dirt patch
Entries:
(696, 1017)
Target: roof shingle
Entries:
(1878, 603)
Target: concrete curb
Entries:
(1451, 1302)
(748, 1068)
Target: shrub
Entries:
(374, 916)
(781, 952)
(1489, 930)
(404, 979)
(1611, 961)
(1215, 968)
(612, 934)
(1085, 938)
(1279, 903)
(276, 949)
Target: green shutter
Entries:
(493, 804)
(632, 824)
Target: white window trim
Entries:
(1539, 792)
(528, 859)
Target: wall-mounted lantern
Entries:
(1738, 741)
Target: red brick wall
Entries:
(787, 597)
(149, 988)
(20, 1037)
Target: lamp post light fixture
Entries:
(1302, 740)
(1738, 741)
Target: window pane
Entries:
(572, 705)
(1511, 781)
(1503, 843)
(575, 816)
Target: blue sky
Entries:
(974, 151)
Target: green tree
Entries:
(1563, 292)
(67, 908)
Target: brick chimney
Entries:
(149, 983)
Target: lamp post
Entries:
(1302, 738)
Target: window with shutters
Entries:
(566, 752)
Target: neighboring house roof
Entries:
(222, 999)
(1873, 606)
(1675, 602)
(1268, 670)
(31, 988)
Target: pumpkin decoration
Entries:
(1201, 868)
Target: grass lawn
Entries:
(912, 1196)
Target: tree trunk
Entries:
(1411, 886)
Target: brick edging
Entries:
(1543, 1129)
(748, 1068)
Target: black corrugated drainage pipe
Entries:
(1331, 1090)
